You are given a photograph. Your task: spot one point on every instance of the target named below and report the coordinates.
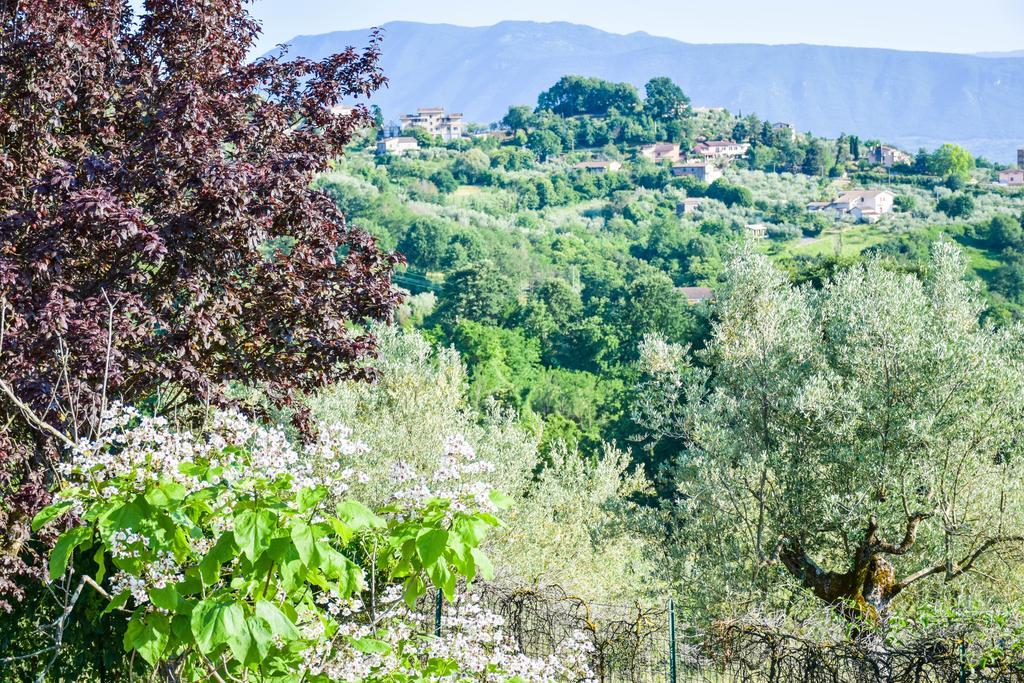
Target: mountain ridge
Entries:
(911, 98)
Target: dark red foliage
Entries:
(145, 171)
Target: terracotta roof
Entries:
(698, 293)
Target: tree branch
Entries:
(909, 536)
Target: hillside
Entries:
(910, 98)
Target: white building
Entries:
(399, 145)
(757, 231)
(436, 121)
(864, 205)
(720, 149)
(599, 166)
(701, 170)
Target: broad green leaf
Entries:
(164, 598)
(280, 624)
(305, 543)
(358, 516)
(412, 590)
(50, 512)
(293, 571)
(430, 544)
(500, 500)
(253, 531)
(260, 639)
(117, 602)
(151, 641)
(222, 551)
(371, 646)
(483, 564)
(166, 494)
(443, 578)
(66, 544)
(217, 623)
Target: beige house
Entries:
(690, 204)
(696, 295)
(1013, 177)
(720, 149)
(701, 170)
(884, 155)
(436, 121)
(599, 166)
(660, 151)
(757, 231)
(863, 205)
(399, 145)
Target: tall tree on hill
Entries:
(158, 232)
(664, 99)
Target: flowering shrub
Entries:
(223, 549)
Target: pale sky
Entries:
(934, 25)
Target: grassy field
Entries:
(847, 240)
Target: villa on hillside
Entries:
(1014, 177)
(701, 170)
(399, 145)
(863, 205)
(884, 155)
(690, 204)
(660, 151)
(435, 121)
(757, 231)
(696, 295)
(599, 166)
(720, 149)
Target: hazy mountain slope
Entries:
(910, 98)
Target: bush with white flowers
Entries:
(232, 561)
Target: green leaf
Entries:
(66, 544)
(253, 531)
(500, 500)
(371, 646)
(116, 602)
(413, 589)
(443, 578)
(305, 543)
(483, 564)
(293, 571)
(260, 639)
(308, 498)
(166, 494)
(50, 512)
(164, 598)
(151, 640)
(358, 516)
(222, 551)
(430, 544)
(280, 624)
(220, 623)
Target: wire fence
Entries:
(643, 644)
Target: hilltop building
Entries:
(690, 204)
(786, 128)
(884, 155)
(1014, 177)
(660, 151)
(720, 149)
(701, 170)
(757, 231)
(599, 166)
(864, 205)
(398, 146)
(696, 295)
(436, 121)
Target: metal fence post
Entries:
(671, 641)
(437, 613)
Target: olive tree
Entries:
(857, 440)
